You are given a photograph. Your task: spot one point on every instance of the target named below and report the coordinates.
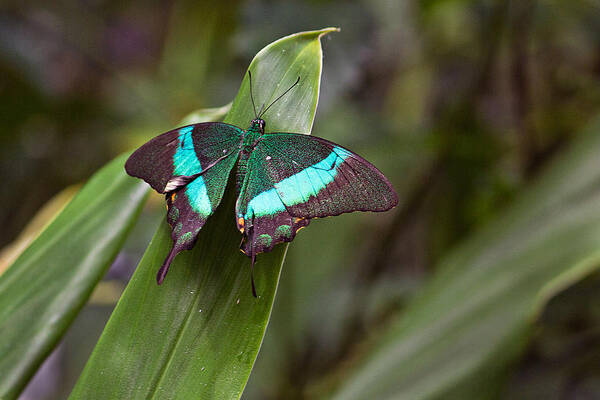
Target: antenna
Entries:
(283, 94)
(252, 97)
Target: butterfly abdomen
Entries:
(242, 168)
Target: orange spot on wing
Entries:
(173, 197)
(241, 225)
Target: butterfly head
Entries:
(258, 125)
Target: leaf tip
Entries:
(325, 31)
(330, 29)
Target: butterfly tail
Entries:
(253, 257)
(162, 272)
(252, 275)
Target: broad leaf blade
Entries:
(41, 293)
(472, 319)
(198, 335)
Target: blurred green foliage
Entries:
(460, 103)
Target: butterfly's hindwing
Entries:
(261, 215)
(190, 206)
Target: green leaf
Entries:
(39, 222)
(42, 292)
(472, 319)
(198, 334)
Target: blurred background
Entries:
(460, 103)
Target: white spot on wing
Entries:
(175, 183)
(268, 158)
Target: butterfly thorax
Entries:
(253, 134)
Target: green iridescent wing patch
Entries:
(191, 166)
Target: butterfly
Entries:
(283, 180)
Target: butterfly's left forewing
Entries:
(191, 166)
(294, 178)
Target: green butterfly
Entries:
(282, 181)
